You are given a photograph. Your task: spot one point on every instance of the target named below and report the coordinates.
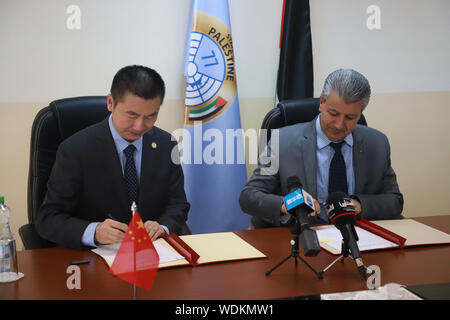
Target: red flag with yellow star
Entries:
(136, 260)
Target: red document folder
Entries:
(206, 248)
(330, 238)
(380, 231)
(197, 249)
(400, 232)
(182, 248)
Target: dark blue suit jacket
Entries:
(87, 184)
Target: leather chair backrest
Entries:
(288, 112)
(52, 125)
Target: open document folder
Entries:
(193, 249)
(382, 234)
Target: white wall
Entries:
(409, 53)
(41, 59)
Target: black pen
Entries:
(112, 217)
(115, 219)
(79, 262)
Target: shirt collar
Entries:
(323, 141)
(120, 142)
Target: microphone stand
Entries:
(295, 252)
(344, 254)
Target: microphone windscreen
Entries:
(340, 210)
(293, 182)
(343, 219)
(335, 197)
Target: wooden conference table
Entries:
(45, 272)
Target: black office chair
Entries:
(53, 124)
(288, 112)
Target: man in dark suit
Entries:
(102, 169)
(329, 154)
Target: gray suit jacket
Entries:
(375, 181)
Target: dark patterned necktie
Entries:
(130, 174)
(338, 173)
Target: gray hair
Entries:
(351, 86)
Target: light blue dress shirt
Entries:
(88, 235)
(121, 144)
(324, 154)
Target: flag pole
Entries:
(133, 210)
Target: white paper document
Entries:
(108, 253)
(330, 236)
(390, 291)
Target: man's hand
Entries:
(110, 231)
(316, 208)
(283, 208)
(154, 229)
(357, 205)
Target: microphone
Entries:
(299, 203)
(341, 212)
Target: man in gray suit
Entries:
(330, 153)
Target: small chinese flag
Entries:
(136, 260)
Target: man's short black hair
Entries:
(141, 81)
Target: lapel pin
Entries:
(154, 145)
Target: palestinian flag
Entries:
(295, 70)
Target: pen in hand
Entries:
(112, 217)
(110, 231)
(116, 220)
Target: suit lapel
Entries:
(149, 147)
(115, 179)
(309, 160)
(359, 160)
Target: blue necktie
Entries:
(338, 173)
(130, 174)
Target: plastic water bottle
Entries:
(8, 256)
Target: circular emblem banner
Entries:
(210, 78)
